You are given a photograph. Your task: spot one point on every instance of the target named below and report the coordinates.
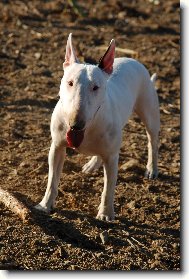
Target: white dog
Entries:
(95, 104)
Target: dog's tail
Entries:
(153, 79)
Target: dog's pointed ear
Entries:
(70, 56)
(106, 61)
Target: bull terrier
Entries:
(95, 104)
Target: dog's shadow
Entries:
(61, 227)
(60, 224)
(64, 225)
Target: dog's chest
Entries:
(93, 143)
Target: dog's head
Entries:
(83, 86)
(83, 90)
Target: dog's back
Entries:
(129, 82)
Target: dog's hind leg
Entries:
(152, 164)
(147, 109)
(92, 165)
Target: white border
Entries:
(185, 133)
(184, 274)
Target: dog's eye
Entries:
(95, 88)
(70, 83)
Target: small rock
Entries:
(158, 216)
(24, 164)
(18, 22)
(98, 255)
(104, 237)
(37, 55)
(27, 88)
(131, 205)
(67, 262)
(125, 233)
(15, 172)
(74, 267)
(175, 245)
(157, 256)
(58, 252)
(121, 15)
(155, 264)
(21, 145)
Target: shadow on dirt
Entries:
(61, 225)
(21, 105)
(54, 226)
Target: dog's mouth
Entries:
(75, 137)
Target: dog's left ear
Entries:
(106, 61)
(70, 56)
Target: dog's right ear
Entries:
(70, 56)
(106, 61)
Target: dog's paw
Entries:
(151, 174)
(104, 217)
(92, 165)
(42, 208)
(106, 214)
(87, 168)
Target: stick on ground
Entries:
(123, 50)
(16, 206)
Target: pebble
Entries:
(21, 145)
(121, 15)
(58, 252)
(74, 267)
(37, 55)
(155, 2)
(156, 263)
(98, 255)
(24, 164)
(67, 262)
(131, 205)
(15, 172)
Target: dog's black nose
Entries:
(78, 125)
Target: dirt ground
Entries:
(146, 232)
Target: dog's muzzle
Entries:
(75, 135)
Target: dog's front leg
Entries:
(106, 208)
(56, 161)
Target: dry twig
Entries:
(39, 167)
(16, 206)
(123, 50)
